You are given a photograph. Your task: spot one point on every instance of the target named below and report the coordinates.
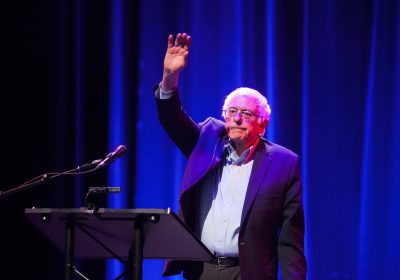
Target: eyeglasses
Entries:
(232, 112)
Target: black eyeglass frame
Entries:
(246, 114)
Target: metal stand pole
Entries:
(135, 261)
(69, 249)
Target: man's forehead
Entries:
(243, 101)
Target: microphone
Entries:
(118, 152)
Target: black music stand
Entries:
(124, 234)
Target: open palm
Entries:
(177, 54)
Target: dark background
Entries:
(55, 83)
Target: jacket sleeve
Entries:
(291, 236)
(182, 130)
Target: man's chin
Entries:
(237, 141)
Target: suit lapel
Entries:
(258, 172)
(202, 162)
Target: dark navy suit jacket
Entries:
(272, 222)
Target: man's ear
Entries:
(262, 122)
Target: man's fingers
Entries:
(188, 41)
(178, 39)
(170, 40)
(182, 40)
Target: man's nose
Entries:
(238, 117)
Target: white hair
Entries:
(264, 110)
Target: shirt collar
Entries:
(233, 158)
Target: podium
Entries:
(128, 235)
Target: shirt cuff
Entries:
(166, 94)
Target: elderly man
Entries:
(241, 194)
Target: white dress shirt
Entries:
(221, 227)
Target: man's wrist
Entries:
(169, 82)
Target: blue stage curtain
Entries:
(330, 70)
(379, 247)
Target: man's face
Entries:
(241, 131)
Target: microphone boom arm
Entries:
(82, 169)
(85, 168)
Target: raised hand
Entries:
(176, 59)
